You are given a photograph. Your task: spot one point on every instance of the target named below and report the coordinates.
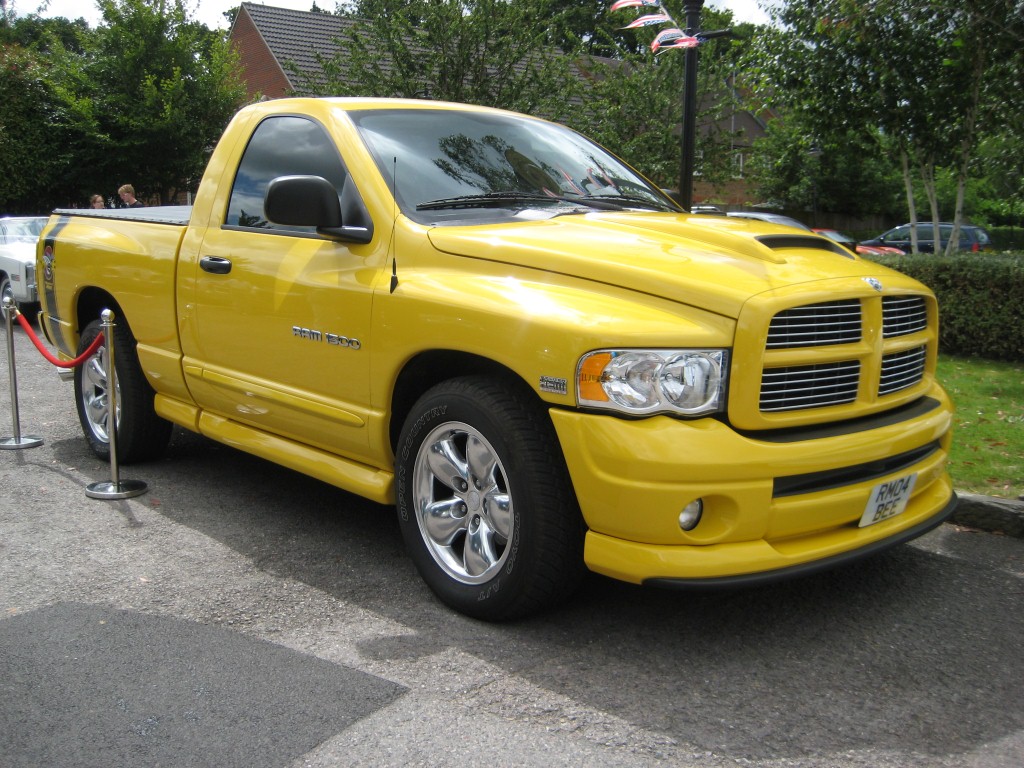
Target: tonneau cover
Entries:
(162, 214)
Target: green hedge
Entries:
(1007, 238)
(981, 300)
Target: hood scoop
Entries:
(789, 242)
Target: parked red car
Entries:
(853, 245)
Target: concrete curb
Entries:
(989, 513)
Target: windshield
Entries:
(22, 230)
(447, 165)
(831, 234)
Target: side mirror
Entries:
(312, 201)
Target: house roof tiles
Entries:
(298, 37)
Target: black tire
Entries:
(484, 500)
(141, 434)
(6, 289)
(28, 308)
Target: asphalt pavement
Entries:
(239, 614)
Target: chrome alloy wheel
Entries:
(95, 394)
(462, 503)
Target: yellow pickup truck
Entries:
(494, 324)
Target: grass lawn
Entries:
(988, 429)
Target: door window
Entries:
(281, 146)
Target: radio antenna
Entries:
(394, 219)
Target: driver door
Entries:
(280, 316)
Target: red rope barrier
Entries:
(46, 353)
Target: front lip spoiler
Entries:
(805, 569)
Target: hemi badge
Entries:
(553, 385)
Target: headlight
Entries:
(688, 382)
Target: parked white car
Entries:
(18, 238)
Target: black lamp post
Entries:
(692, 9)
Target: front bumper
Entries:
(774, 504)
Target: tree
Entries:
(589, 25)
(24, 144)
(535, 56)
(633, 103)
(1002, 159)
(37, 132)
(488, 52)
(916, 75)
(141, 99)
(161, 88)
(39, 34)
(841, 171)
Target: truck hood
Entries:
(713, 262)
(23, 253)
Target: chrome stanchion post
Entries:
(16, 442)
(116, 488)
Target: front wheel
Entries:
(141, 434)
(484, 500)
(6, 289)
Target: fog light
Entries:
(690, 515)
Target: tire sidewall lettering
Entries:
(409, 447)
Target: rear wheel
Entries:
(484, 500)
(141, 434)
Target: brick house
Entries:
(267, 38)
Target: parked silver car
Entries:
(771, 218)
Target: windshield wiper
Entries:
(626, 201)
(499, 199)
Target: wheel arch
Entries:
(430, 368)
(91, 302)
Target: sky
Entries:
(210, 12)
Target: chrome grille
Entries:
(806, 366)
(816, 325)
(901, 370)
(903, 315)
(809, 386)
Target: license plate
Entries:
(888, 500)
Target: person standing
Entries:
(127, 195)
(96, 201)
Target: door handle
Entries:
(215, 265)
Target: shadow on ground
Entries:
(883, 654)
